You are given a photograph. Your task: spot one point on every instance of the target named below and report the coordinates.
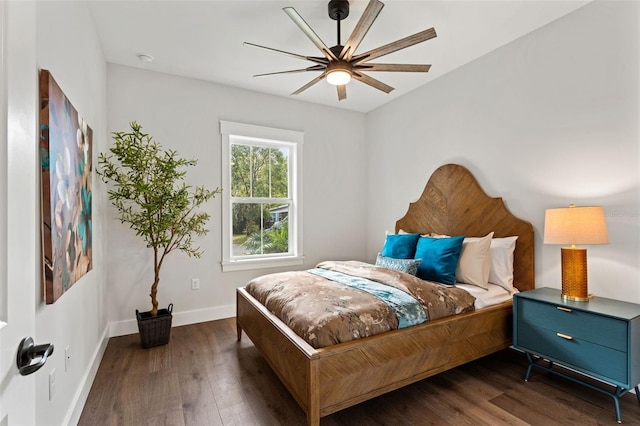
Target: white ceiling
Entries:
(203, 39)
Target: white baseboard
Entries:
(79, 399)
(121, 328)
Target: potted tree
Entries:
(150, 194)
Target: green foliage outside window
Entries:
(273, 240)
(259, 172)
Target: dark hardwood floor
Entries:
(205, 377)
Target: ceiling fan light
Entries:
(338, 77)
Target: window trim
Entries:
(267, 135)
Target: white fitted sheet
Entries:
(494, 295)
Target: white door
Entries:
(18, 206)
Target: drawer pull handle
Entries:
(564, 336)
(564, 309)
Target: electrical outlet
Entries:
(67, 358)
(52, 384)
(195, 283)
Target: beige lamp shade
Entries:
(575, 225)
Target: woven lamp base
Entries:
(574, 274)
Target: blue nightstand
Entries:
(600, 338)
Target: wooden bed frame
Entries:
(330, 379)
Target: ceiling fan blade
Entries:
(313, 68)
(393, 67)
(306, 29)
(362, 27)
(315, 59)
(309, 84)
(342, 92)
(396, 45)
(372, 82)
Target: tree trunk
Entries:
(154, 300)
(154, 286)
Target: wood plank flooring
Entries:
(205, 377)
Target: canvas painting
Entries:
(66, 172)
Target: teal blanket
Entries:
(406, 308)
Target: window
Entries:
(262, 209)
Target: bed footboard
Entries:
(327, 380)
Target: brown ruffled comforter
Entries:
(324, 312)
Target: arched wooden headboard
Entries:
(453, 203)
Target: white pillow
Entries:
(501, 272)
(474, 264)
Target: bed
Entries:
(329, 379)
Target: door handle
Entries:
(28, 351)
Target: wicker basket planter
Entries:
(155, 331)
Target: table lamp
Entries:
(575, 225)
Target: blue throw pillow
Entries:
(400, 246)
(409, 266)
(439, 258)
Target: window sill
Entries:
(243, 265)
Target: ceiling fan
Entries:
(340, 63)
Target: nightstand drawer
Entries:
(597, 329)
(576, 352)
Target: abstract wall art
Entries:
(66, 173)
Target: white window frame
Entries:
(236, 132)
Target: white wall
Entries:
(67, 45)
(547, 120)
(183, 114)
